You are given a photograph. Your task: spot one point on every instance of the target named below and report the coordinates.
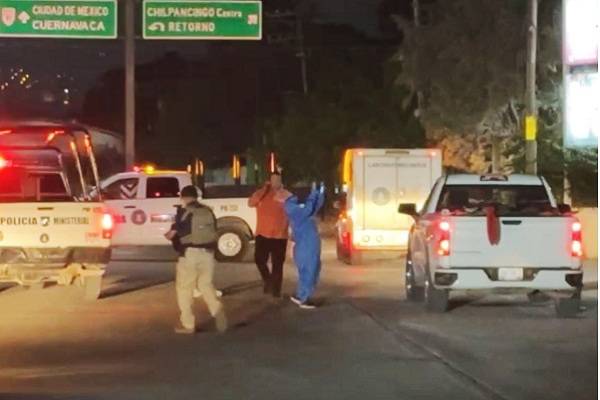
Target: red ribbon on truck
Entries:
(493, 225)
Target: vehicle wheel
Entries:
(340, 252)
(537, 296)
(92, 286)
(414, 293)
(231, 244)
(350, 256)
(355, 257)
(436, 300)
(567, 308)
(36, 286)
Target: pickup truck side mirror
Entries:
(408, 209)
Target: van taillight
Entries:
(346, 220)
(347, 239)
(4, 162)
(443, 248)
(107, 226)
(576, 243)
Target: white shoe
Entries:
(198, 294)
(179, 328)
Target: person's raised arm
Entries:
(320, 201)
(294, 210)
(257, 196)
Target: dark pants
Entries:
(274, 248)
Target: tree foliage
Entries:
(351, 105)
(468, 61)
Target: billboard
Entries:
(582, 109)
(581, 33)
(581, 42)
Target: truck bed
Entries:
(541, 242)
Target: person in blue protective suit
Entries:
(307, 248)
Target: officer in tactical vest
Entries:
(195, 232)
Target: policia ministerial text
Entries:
(16, 221)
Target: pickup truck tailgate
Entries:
(524, 242)
(51, 225)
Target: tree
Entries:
(468, 61)
(351, 104)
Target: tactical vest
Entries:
(199, 226)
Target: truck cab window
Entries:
(123, 189)
(52, 188)
(510, 200)
(52, 184)
(162, 188)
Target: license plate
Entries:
(510, 274)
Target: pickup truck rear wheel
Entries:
(568, 307)
(92, 286)
(414, 293)
(436, 300)
(231, 244)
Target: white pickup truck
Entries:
(493, 232)
(143, 204)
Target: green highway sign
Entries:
(202, 20)
(74, 19)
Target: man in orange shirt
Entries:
(271, 234)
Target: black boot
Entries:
(267, 287)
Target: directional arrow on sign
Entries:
(67, 19)
(157, 26)
(24, 17)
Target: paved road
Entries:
(365, 342)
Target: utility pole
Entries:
(301, 52)
(129, 83)
(530, 98)
(417, 22)
(416, 12)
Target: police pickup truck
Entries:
(493, 232)
(144, 202)
(50, 231)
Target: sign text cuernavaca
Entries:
(75, 19)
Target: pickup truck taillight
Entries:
(107, 226)
(576, 243)
(443, 248)
(4, 163)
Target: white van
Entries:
(375, 182)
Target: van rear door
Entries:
(398, 176)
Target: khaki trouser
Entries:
(195, 271)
